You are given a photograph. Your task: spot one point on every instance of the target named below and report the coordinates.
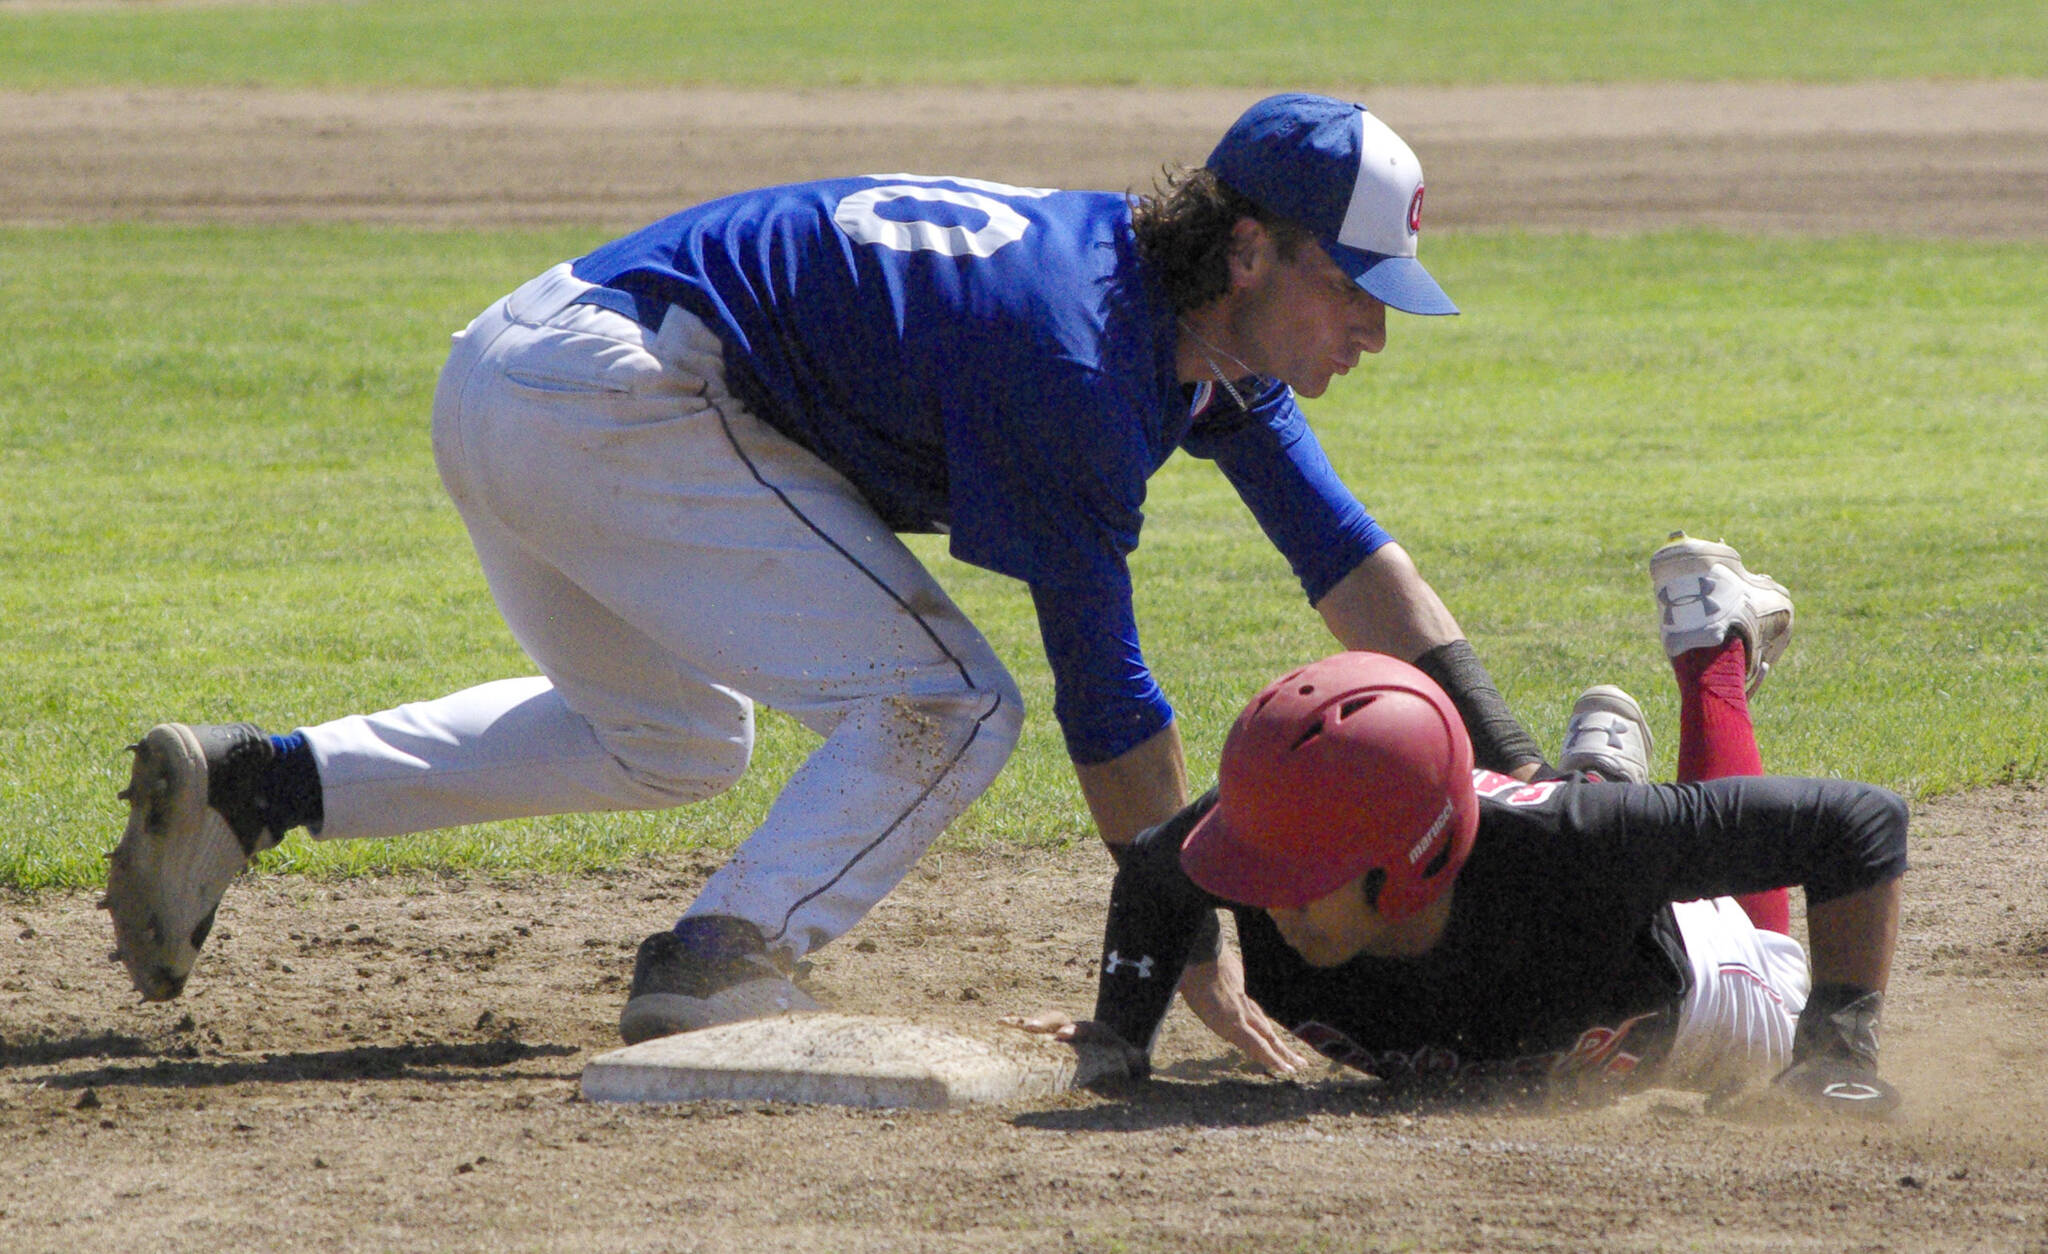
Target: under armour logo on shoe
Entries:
(1704, 598)
(1114, 961)
(1615, 729)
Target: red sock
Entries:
(1716, 739)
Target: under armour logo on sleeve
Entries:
(1114, 961)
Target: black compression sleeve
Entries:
(1208, 942)
(1158, 923)
(1741, 834)
(1499, 741)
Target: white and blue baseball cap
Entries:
(1337, 170)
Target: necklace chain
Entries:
(1208, 352)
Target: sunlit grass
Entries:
(219, 503)
(1148, 42)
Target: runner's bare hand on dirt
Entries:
(1061, 1026)
(1105, 1054)
(1215, 992)
(1057, 1024)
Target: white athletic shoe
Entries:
(1608, 735)
(193, 825)
(1703, 593)
(708, 970)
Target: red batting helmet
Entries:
(1354, 762)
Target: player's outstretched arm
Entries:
(1850, 940)
(1386, 606)
(1139, 788)
(1834, 1052)
(1142, 788)
(1215, 992)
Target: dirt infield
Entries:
(392, 1064)
(1962, 159)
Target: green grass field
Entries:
(219, 503)
(1150, 42)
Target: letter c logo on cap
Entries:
(1415, 211)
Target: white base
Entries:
(832, 1059)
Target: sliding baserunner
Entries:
(1415, 918)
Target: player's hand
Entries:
(1215, 992)
(1057, 1024)
(1104, 1054)
(1838, 1087)
(1834, 1050)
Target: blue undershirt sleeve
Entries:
(1104, 696)
(1280, 470)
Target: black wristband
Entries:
(1499, 741)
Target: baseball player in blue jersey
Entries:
(684, 459)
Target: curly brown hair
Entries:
(1184, 234)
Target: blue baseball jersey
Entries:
(992, 362)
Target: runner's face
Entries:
(1331, 930)
(1301, 319)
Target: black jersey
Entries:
(1560, 955)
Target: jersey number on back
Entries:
(906, 230)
